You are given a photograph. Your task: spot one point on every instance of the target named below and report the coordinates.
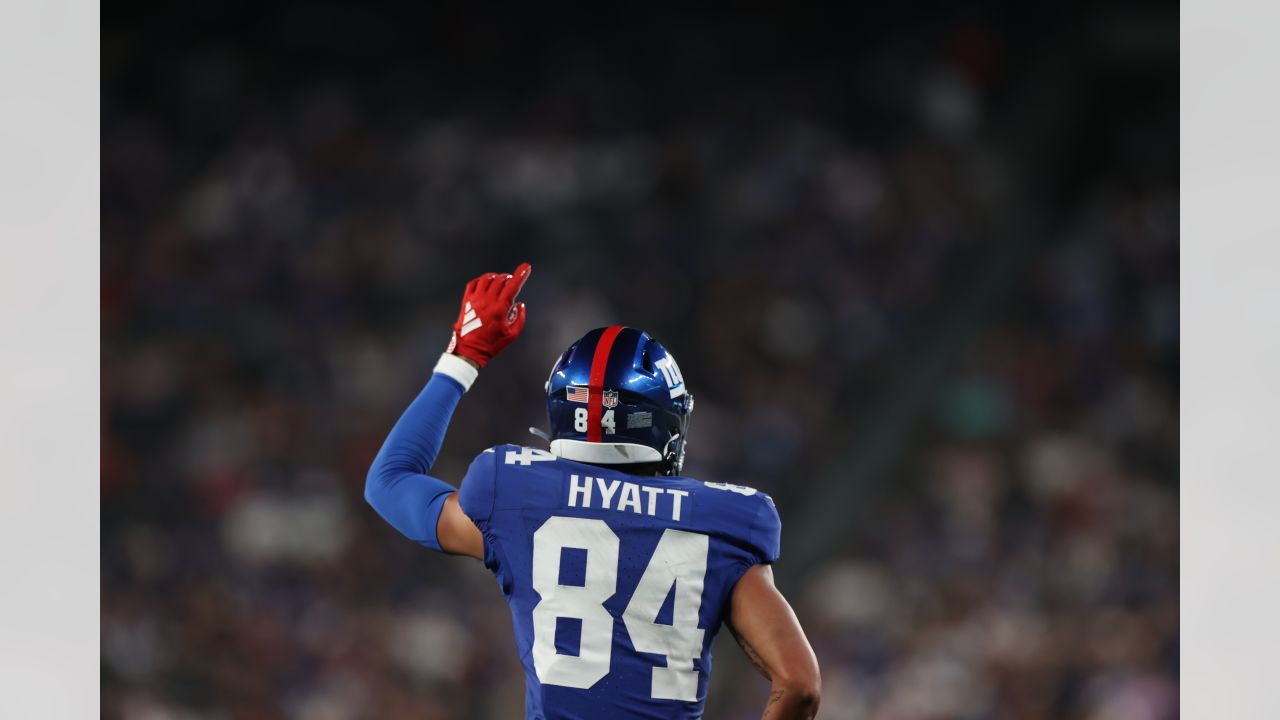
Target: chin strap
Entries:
(673, 460)
(540, 433)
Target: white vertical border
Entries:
(1230, 445)
(49, 79)
(49, 385)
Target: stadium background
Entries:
(919, 270)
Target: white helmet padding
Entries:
(599, 453)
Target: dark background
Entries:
(919, 269)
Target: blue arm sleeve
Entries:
(398, 485)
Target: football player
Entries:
(618, 570)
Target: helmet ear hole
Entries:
(646, 361)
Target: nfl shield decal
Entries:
(610, 398)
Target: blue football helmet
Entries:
(615, 397)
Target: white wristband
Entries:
(458, 369)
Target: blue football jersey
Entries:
(617, 583)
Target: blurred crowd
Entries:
(1028, 566)
(280, 271)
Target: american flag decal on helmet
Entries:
(576, 394)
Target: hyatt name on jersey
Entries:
(616, 583)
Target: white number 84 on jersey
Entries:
(680, 559)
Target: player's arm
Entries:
(424, 508)
(457, 534)
(769, 633)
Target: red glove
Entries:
(489, 319)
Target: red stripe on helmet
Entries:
(595, 384)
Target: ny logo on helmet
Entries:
(610, 399)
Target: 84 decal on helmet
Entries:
(623, 372)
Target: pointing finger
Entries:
(514, 283)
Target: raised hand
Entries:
(489, 318)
